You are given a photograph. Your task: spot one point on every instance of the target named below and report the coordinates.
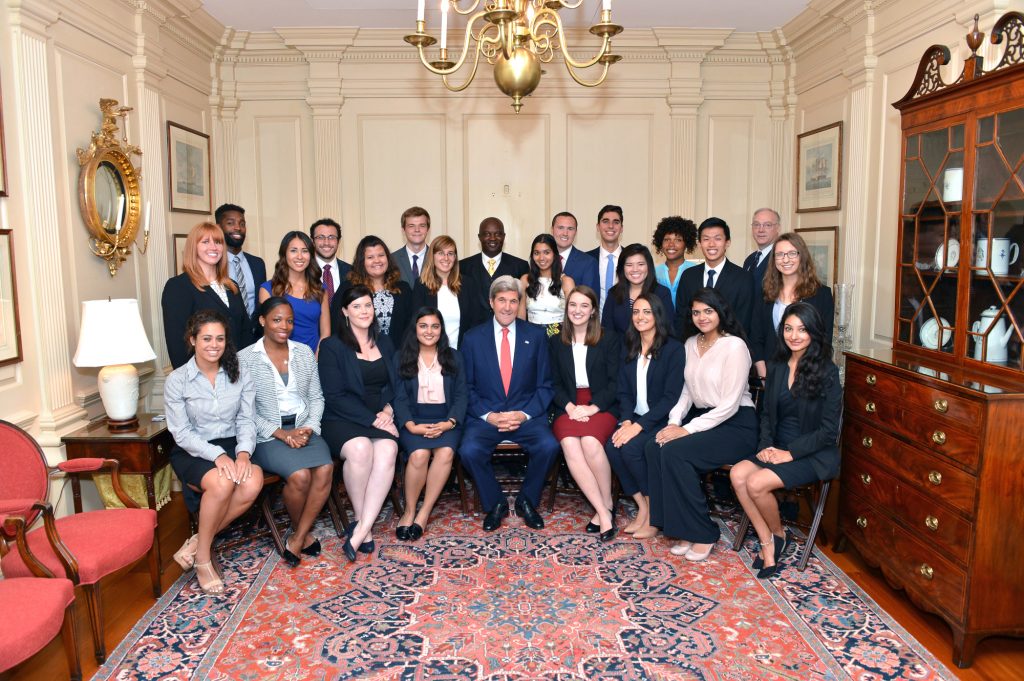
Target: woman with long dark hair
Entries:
(288, 408)
(649, 383)
(803, 402)
(430, 408)
(297, 279)
(545, 285)
(585, 360)
(634, 275)
(357, 376)
(374, 268)
(674, 238)
(711, 425)
(204, 285)
(209, 406)
(791, 276)
(442, 286)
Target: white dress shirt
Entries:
(579, 364)
(718, 273)
(289, 401)
(451, 314)
(602, 270)
(335, 279)
(642, 365)
(496, 259)
(419, 257)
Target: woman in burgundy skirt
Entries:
(585, 362)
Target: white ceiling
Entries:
(741, 15)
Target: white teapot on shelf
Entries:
(995, 342)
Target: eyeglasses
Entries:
(706, 312)
(325, 237)
(788, 255)
(763, 225)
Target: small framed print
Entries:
(10, 329)
(819, 169)
(178, 253)
(188, 154)
(823, 243)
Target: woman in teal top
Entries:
(674, 238)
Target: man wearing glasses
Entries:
(326, 234)
(764, 227)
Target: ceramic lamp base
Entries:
(119, 391)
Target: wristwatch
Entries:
(455, 424)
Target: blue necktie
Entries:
(609, 274)
(711, 278)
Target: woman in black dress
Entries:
(357, 377)
(204, 285)
(803, 402)
(374, 268)
(585, 361)
(430, 407)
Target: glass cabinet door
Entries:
(996, 309)
(933, 185)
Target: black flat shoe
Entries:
(768, 572)
(608, 535)
(350, 552)
(368, 547)
(415, 532)
(313, 550)
(402, 533)
(286, 554)
(592, 528)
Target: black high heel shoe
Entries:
(780, 547)
(350, 552)
(608, 534)
(286, 554)
(594, 528)
(313, 550)
(366, 546)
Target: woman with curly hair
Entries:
(674, 237)
(712, 424)
(545, 286)
(209, 407)
(374, 268)
(803, 402)
(297, 279)
(790, 277)
(634, 275)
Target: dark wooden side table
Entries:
(144, 451)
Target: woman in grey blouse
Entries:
(287, 414)
(209, 405)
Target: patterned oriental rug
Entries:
(514, 605)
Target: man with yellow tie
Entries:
(482, 269)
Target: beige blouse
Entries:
(431, 383)
(717, 380)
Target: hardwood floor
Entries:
(127, 596)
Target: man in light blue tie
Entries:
(247, 270)
(609, 231)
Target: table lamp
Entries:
(112, 337)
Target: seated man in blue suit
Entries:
(509, 393)
(575, 263)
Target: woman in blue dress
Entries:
(297, 279)
(674, 237)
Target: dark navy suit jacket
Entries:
(664, 385)
(530, 390)
(341, 379)
(764, 339)
(734, 284)
(603, 361)
(583, 269)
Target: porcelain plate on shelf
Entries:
(930, 333)
(947, 255)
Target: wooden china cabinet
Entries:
(932, 484)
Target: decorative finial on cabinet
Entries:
(975, 37)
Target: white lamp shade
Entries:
(112, 333)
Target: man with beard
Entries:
(248, 271)
(326, 235)
(482, 269)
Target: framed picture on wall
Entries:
(3, 151)
(188, 154)
(823, 243)
(819, 169)
(10, 329)
(178, 252)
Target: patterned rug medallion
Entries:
(515, 605)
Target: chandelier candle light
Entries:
(516, 37)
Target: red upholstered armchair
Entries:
(35, 609)
(84, 546)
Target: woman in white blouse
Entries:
(209, 402)
(442, 286)
(712, 424)
(288, 408)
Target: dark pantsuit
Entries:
(630, 462)
(678, 505)
(479, 442)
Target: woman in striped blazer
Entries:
(287, 413)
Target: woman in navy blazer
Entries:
(585, 361)
(357, 376)
(790, 277)
(430, 408)
(803, 402)
(204, 285)
(658, 359)
(633, 275)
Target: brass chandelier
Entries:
(516, 37)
